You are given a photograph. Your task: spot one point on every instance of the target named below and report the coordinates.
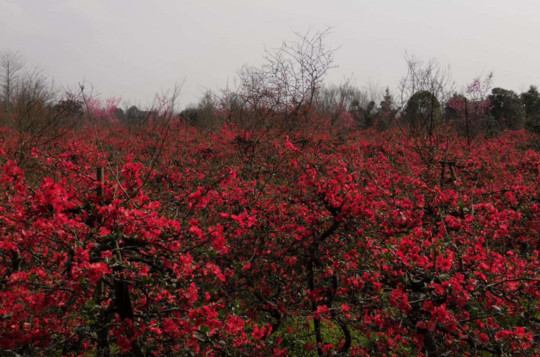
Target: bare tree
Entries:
(35, 116)
(27, 105)
(334, 101)
(422, 89)
(347, 106)
(299, 67)
(11, 66)
(288, 81)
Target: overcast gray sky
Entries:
(135, 48)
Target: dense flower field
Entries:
(239, 243)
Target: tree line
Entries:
(288, 92)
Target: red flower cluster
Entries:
(360, 246)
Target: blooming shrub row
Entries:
(243, 244)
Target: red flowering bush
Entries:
(210, 245)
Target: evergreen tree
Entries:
(507, 108)
(531, 103)
(422, 113)
(387, 111)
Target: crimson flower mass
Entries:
(302, 244)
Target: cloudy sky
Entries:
(135, 48)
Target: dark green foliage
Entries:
(136, 117)
(205, 113)
(423, 113)
(507, 108)
(120, 114)
(387, 111)
(369, 114)
(531, 103)
(70, 107)
(133, 114)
